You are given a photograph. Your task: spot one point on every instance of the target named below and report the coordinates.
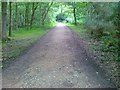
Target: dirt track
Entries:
(58, 60)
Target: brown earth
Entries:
(58, 60)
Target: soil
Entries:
(58, 60)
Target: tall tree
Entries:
(34, 7)
(26, 14)
(118, 27)
(16, 16)
(10, 23)
(46, 12)
(4, 20)
(74, 13)
(73, 4)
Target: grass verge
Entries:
(107, 57)
(20, 41)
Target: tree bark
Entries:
(74, 13)
(10, 23)
(61, 8)
(4, 20)
(26, 15)
(33, 12)
(118, 27)
(16, 16)
(45, 14)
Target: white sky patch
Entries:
(60, 24)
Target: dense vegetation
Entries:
(98, 21)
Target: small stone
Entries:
(99, 85)
(97, 73)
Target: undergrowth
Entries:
(106, 49)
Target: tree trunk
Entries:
(16, 16)
(42, 22)
(118, 27)
(4, 20)
(61, 8)
(74, 13)
(10, 23)
(45, 14)
(32, 16)
(40, 19)
(26, 15)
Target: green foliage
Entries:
(101, 23)
(61, 17)
(109, 45)
(100, 18)
(21, 40)
(95, 22)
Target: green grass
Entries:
(80, 30)
(20, 41)
(106, 44)
(27, 34)
(106, 50)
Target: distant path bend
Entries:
(57, 60)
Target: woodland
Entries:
(97, 23)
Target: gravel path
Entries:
(57, 60)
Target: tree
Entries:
(4, 20)
(10, 23)
(73, 4)
(26, 14)
(46, 12)
(16, 16)
(34, 7)
(74, 13)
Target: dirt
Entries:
(58, 60)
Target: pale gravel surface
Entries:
(57, 60)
